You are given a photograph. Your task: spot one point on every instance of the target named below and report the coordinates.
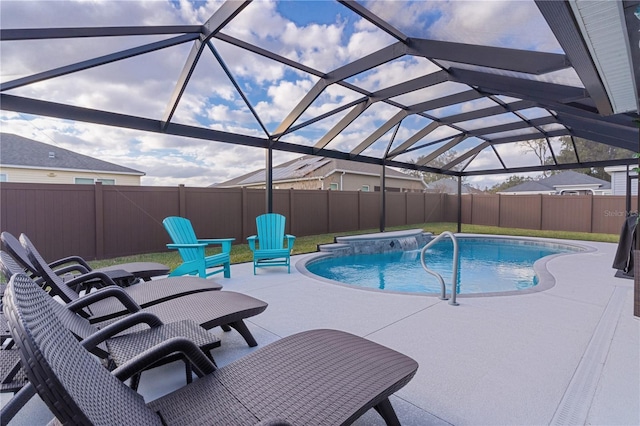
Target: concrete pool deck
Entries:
(568, 355)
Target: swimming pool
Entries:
(488, 265)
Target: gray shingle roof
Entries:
(20, 151)
(309, 166)
(559, 179)
(529, 186)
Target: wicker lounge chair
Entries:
(12, 377)
(318, 377)
(135, 270)
(114, 351)
(145, 293)
(192, 250)
(270, 250)
(208, 308)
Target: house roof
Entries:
(551, 183)
(24, 152)
(309, 167)
(450, 186)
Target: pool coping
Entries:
(546, 280)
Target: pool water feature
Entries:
(487, 265)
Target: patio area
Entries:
(568, 355)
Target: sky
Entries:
(320, 34)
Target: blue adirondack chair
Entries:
(192, 250)
(270, 250)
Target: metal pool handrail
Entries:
(454, 278)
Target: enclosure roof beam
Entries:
(524, 61)
(529, 136)
(69, 112)
(95, 62)
(372, 60)
(379, 132)
(466, 155)
(374, 19)
(457, 98)
(567, 166)
(487, 112)
(563, 25)
(267, 54)
(398, 89)
(414, 139)
(411, 85)
(218, 20)
(343, 123)
(11, 34)
(517, 125)
(444, 148)
(226, 70)
(540, 92)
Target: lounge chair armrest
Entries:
(122, 324)
(290, 241)
(103, 293)
(273, 422)
(252, 242)
(91, 275)
(71, 268)
(178, 246)
(202, 365)
(225, 242)
(216, 240)
(70, 259)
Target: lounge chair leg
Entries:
(385, 409)
(188, 370)
(227, 270)
(241, 327)
(225, 327)
(135, 381)
(18, 401)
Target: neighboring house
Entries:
(619, 179)
(28, 161)
(564, 183)
(450, 186)
(310, 172)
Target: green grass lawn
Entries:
(240, 252)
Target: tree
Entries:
(512, 181)
(438, 162)
(587, 151)
(540, 148)
(590, 151)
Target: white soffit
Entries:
(604, 31)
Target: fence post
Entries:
(291, 220)
(591, 218)
(424, 207)
(499, 211)
(244, 227)
(359, 210)
(99, 205)
(329, 221)
(182, 202)
(406, 208)
(541, 211)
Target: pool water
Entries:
(486, 265)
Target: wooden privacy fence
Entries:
(99, 222)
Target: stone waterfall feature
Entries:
(381, 242)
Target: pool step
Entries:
(337, 249)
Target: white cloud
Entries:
(143, 85)
(516, 24)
